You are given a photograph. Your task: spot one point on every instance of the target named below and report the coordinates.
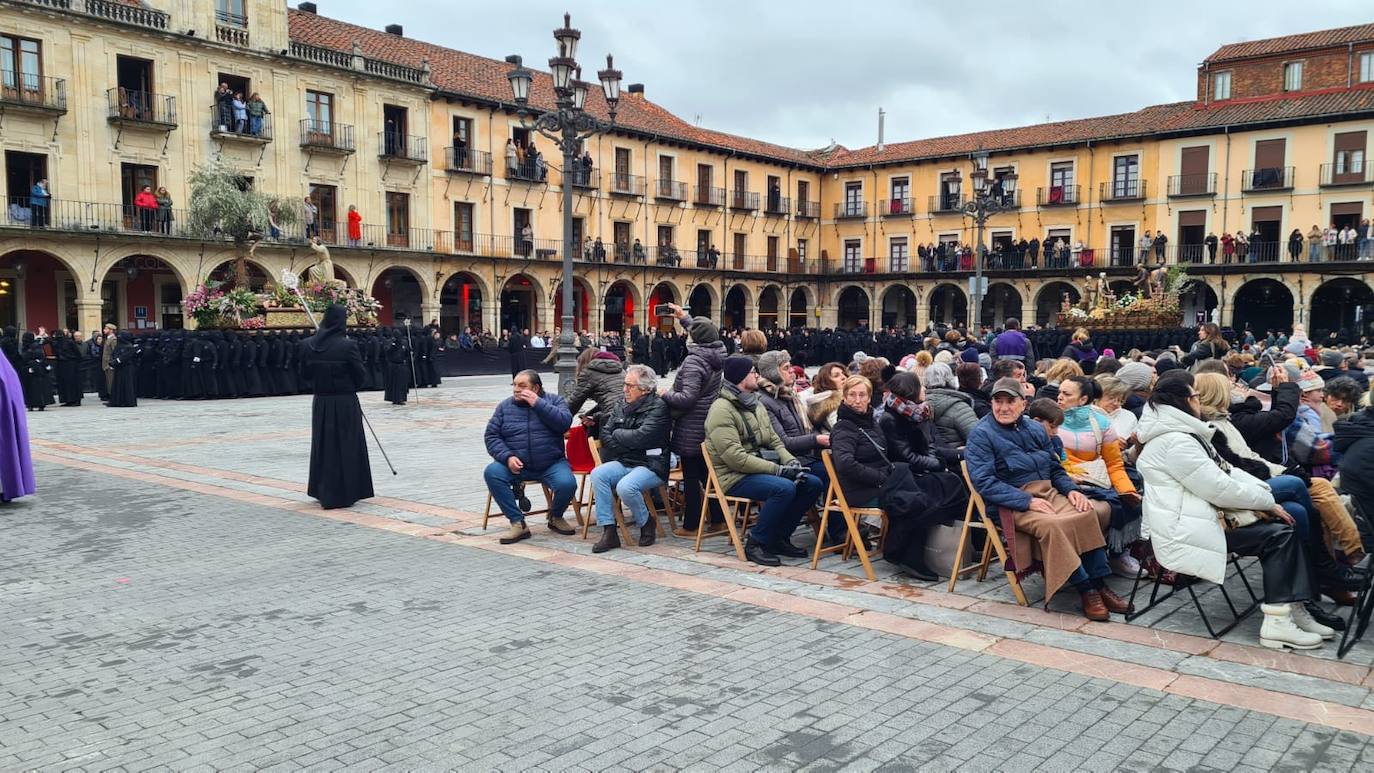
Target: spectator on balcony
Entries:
(1347, 243)
(526, 240)
(1077, 253)
(1330, 238)
(1147, 242)
(598, 251)
(1211, 243)
(712, 257)
(1228, 247)
(1256, 244)
(145, 206)
(460, 151)
(512, 157)
(311, 213)
(1314, 244)
(1295, 241)
(39, 202)
(637, 250)
(1033, 251)
(775, 197)
(1365, 235)
(1161, 243)
(256, 110)
(224, 107)
(587, 249)
(585, 173)
(355, 226)
(164, 211)
(240, 111)
(1242, 246)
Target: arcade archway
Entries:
(619, 307)
(663, 292)
(519, 304)
(140, 292)
(948, 305)
(398, 290)
(38, 288)
(701, 303)
(734, 310)
(797, 307)
(582, 304)
(852, 308)
(1343, 304)
(769, 300)
(460, 304)
(1001, 302)
(1198, 303)
(1050, 299)
(1262, 304)
(899, 307)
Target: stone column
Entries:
(428, 311)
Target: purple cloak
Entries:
(16, 466)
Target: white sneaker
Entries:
(1279, 630)
(1125, 565)
(1304, 620)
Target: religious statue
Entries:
(323, 270)
(1158, 278)
(1102, 290)
(1090, 293)
(1142, 280)
(1064, 303)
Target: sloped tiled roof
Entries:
(483, 79)
(1307, 40)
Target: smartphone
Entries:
(663, 310)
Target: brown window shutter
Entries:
(1266, 214)
(1346, 208)
(1269, 154)
(1194, 217)
(1349, 141)
(1194, 160)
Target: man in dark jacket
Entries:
(1263, 430)
(634, 456)
(1354, 441)
(517, 346)
(694, 388)
(525, 440)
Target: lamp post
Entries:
(987, 201)
(568, 124)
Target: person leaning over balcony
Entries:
(355, 226)
(240, 110)
(256, 109)
(525, 440)
(1211, 243)
(1330, 238)
(1014, 466)
(145, 204)
(634, 434)
(224, 107)
(39, 201)
(311, 212)
(751, 461)
(1314, 244)
(164, 211)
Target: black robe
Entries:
(224, 366)
(35, 375)
(397, 371)
(70, 380)
(340, 473)
(252, 379)
(124, 361)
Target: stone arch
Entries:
(771, 313)
(898, 306)
(36, 293)
(462, 299)
(1002, 301)
(702, 301)
(852, 307)
(521, 299)
(736, 306)
(584, 300)
(1198, 297)
(620, 305)
(340, 273)
(948, 304)
(400, 289)
(141, 282)
(799, 304)
(662, 292)
(258, 274)
(1049, 300)
(1262, 304)
(1340, 303)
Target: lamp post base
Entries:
(566, 361)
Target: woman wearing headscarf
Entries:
(124, 365)
(70, 384)
(340, 473)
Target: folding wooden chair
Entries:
(548, 499)
(730, 507)
(991, 542)
(595, 447)
(854, 543)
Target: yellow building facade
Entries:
(102, 97)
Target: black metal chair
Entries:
(1189, 583)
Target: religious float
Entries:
(1153, 305)
(279, 306)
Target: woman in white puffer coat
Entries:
(1187, 486)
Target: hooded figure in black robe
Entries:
(329, 361)
(70, 380)
(224, 365)
(124, 361)
(169, 367)
(290, 342)
(35, 374)
(397, 369)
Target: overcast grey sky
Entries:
(804, 72)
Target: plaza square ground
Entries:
(173, 599)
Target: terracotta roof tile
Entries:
(1303, 41)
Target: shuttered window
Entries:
(1349, 160)
(1192, 169)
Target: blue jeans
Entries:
(1091, 571)
(255, 125)
(629, 483)
(557, 476)
(1291, 493)
(784, 503)
(1314, 253)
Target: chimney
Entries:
(636, 88)
(395, 29)
(881, 116)
(307, 8)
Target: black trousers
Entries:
(1286, 576)
(693, 486)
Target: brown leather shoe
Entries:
(1115, 603)
(1343, 598)
(1093, 607)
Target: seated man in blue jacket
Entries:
(525, 438)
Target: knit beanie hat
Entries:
(606, 355)
(1331, 358)
(1135, 375)
(969, 355)
(703, 331)
(736, 368)
(770, 365)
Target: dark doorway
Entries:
(1266, 221)
(132, 179)
(22, 170)
(1340, 305)
(1263, 304)
(899, 307)
(732, 309)
(768, 309)
(699, 302)
(852, 308)
(460, 305)
(620, 308)
(1051, 300)
(796, 313)
(948, 305)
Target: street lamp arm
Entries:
(565, 127)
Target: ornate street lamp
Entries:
(568, 125)
(987, 201)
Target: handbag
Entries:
(899, 495)
(1094, 471)
(1230, 518)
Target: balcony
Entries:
(326, 137)
(1337, 175)
(945, 203)
(467, 161)
(231, 29)
(894, 207)
(808, 210)
(1057, 196)
(1122, 190)
(1267, 179)
(585, 179)
(135, 109)
(38, 94)
(670, 190)
(777, 205)
(849, 210)
(623, 184)
(707, 196)
(1183, 186)
(127, 13)
(527, 171)
(744, 200)
(401, 148)
(665, 255)
(252, 132)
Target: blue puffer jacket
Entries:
(1002, 459)
(533, 434)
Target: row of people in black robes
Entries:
(46, 378)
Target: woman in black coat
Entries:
(34, 374)
(908, 430)
(124, 360)
(70, 385)
(397, 369)
(340, 473)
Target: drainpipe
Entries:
(1226, 181)
(876, 214)
(1349, 64)
(1092, 159)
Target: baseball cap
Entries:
(1007, 385)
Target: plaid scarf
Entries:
(917, 412)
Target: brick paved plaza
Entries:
(173, 599)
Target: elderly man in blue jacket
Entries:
(525, 438)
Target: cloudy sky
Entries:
(804, 72)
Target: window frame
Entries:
(1216, 85)
(1294, 67)
(1366, 67)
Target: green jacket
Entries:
(728, 431)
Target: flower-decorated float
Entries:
(1153, 305)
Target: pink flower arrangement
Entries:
(253, 323)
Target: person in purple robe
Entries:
(16, 466)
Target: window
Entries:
(897, 254)
(665, 236)
(1125, 177)
(394, 130)
(1367, 67)
(134, 178)
(853, 199)
(853, 256)
(462, 226)
(803, 192)
(621, 236)
(901, 196)
(950, 198)
(1292, 76)
(801, 249)
(1350, 153)
(231, 12)
(397, 219)
(1221, 85)
(1061, 183)
(325, 198)
(740, 195)
(21, 61)
(319, 116)
(622, 170)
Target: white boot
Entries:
(1279, 630)
(1304, 620)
